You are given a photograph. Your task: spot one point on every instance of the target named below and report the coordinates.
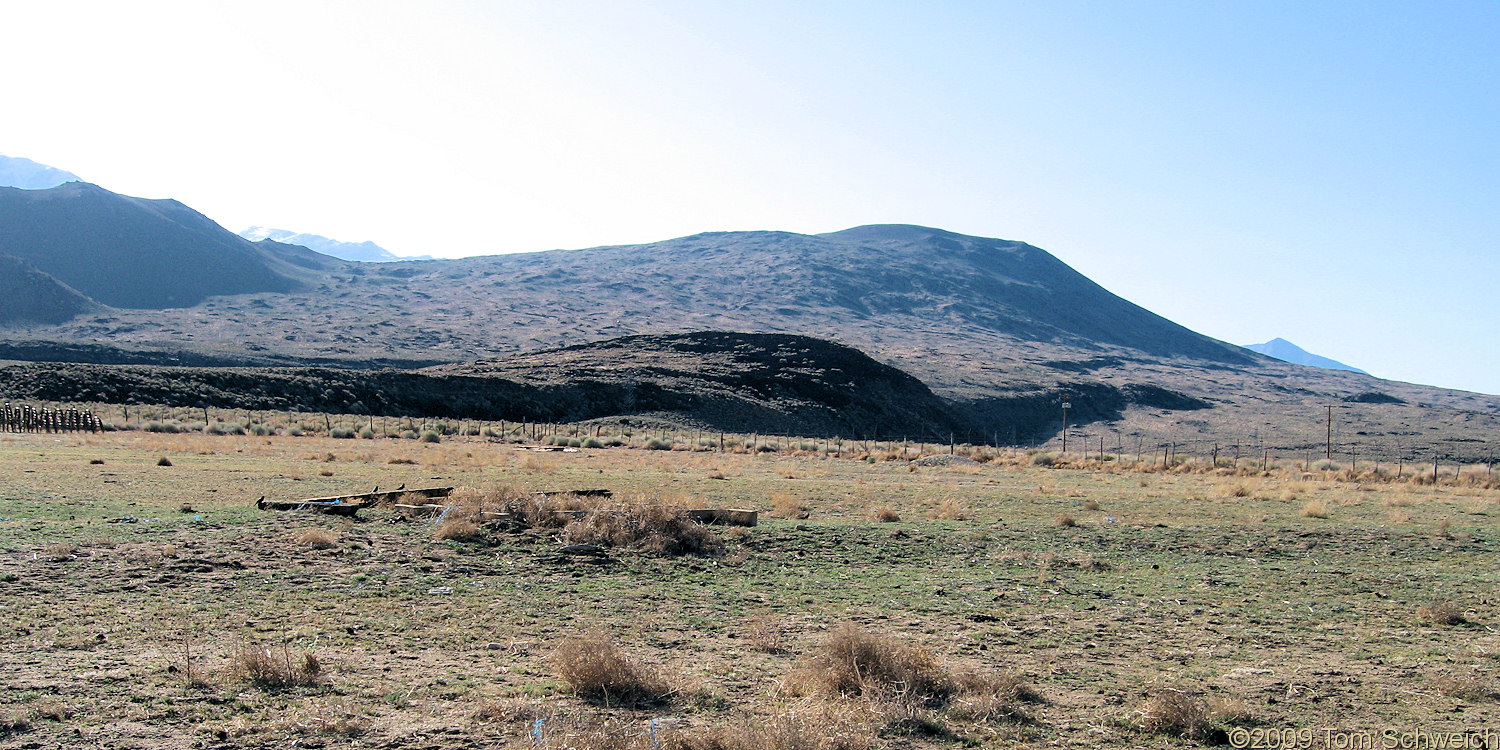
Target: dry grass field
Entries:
(879, 604)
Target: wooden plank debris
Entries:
(724, 516)
(348, 505)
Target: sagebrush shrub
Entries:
(598, 670)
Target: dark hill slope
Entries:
(29, 296)
(742, 381)
(136, 253)
(733, 382)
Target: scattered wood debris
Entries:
(348, 505)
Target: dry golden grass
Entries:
(886, 514)
(511, 711)
(1064, 521)
(1314, 509)
(323, 719)
(315, 538)
(947, 510)
(458, 530)
(786, 506)
(668, 604)
(598, 670)
(534, 463)
(808, 725)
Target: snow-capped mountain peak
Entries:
(28, 175)
(1286, 351)
(368, 252)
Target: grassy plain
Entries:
(131, 591)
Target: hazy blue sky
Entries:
(1323, 172)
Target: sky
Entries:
(1324, 172)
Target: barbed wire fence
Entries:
(1101, 442)
(28, 418)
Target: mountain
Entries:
(29, 296)
(1286, 351)
(967, 315)
(146, 254)
(26, 174)
(364, 252)
(1001, 331)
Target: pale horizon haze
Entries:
(1321, 172)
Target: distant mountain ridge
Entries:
(924, 299)
(146, 254)
(364, 252)
(26, 174)
(1286, 351)
(32, 297)
(1001, 331)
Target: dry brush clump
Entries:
(269, 668)
(14, 720)
(60, 552)
(598, 670)
(1468, 686)
(1186, 714)
(648, 524)
(804, 725)
(766, 635)
(1314, 509)
(992, 697)
(947, 510)
(457, 529)
(1441, 612)
(511, 711)
(528, 509)
(853, 661)
(316, 538)
(786, 506)
(1176, 712)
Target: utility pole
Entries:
(1328, 445)
(1065, 407)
